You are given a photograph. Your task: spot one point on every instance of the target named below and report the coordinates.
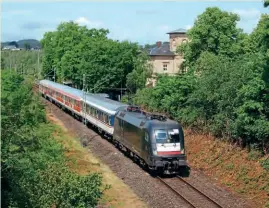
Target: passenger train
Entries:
(154, 140)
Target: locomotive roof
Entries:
(140, 120)
(96, 100)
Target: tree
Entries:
(33, 165)
(138, 77)
(74, 50)
(2, 63)
(259, 40)
(214, 31)
(225, 91)
(27, 46)
(13, 43)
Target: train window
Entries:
(161, 136)
(93, 112)
(89, 110)
(173, 136)
(107, 119)
(170, 136)
(96, 113)
(104, 117)
(100, 115)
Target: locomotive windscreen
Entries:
(164, 136)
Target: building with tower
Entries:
(163, 56)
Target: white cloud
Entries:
(247, 14)
(187, 27)
(85, 21)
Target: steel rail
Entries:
(207, 197)
(176, 192)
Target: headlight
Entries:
(154, 152)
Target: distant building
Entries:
(11, 48)
(35, 49)
(164, 58)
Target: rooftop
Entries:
(163, 50)
(178, 31)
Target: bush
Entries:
(34, 170)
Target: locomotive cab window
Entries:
(170, 136)
(173, 136)
(161, 136)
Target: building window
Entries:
(174, 43)
(165, 67)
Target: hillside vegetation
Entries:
(21, 43)
(22, 62)
(34, 169)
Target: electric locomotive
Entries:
(154, 139)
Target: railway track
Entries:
(171, 184)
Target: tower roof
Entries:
(178, 31)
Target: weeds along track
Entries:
(188, 193)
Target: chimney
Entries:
(159, 43)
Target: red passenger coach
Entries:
(62, 97)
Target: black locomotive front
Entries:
(167, 145)
(159, 143)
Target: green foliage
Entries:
(2, 63)
(213, 31)
(34, 171)
(23, 62)
(74, 50)
(265, 164)
(254, 155)
(259, 40)
(226, 89)
(27, 46)
(138, 77)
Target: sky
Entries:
(142, 22)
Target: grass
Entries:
(240, 171)
(83, 161)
